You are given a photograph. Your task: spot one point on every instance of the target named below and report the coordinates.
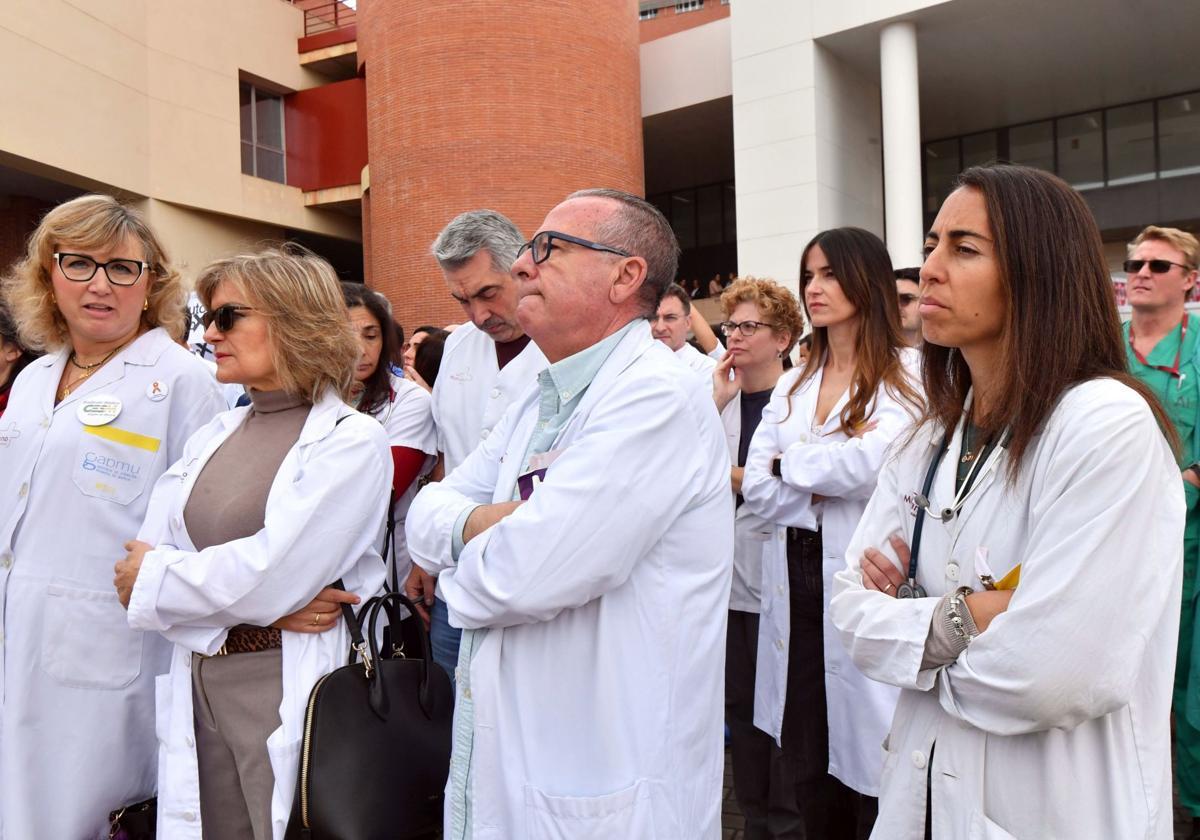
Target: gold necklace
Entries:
(72, 385)
(73, 359)
(66, 390)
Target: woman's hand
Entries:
(127, 570)
(410, 372)
(320, 614)
(880, 573)
(986, 605)
(725, 387)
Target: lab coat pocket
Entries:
(984, 829)
(86, 640)
(113, 463)
(625, 813)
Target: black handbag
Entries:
(376, 748)
(134, 822)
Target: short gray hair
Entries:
(641, 229)
(475, 231)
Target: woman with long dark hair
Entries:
(403, 407)
(812, 465)
(1017, 572)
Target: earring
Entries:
(145, 304)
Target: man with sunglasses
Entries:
(586, 548)
(1162, 344)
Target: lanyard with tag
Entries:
(1173, 370)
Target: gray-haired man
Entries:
(486, 363)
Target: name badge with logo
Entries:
(98, 411)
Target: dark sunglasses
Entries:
(224, 316)
(1156, 266)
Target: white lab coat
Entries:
(599, 689)
(76, 739)
(1054, 723)
(472, 392)
(324, 516)
(750, 531)
(696, 360)
(407, 418)
(819, 459)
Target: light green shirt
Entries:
(561, 389)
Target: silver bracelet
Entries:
(958, 617)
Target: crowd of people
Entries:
(923, 539)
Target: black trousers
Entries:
(762, 781)
(830, 810)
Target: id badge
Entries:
(538, 464)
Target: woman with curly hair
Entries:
(89, 428)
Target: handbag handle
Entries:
(378, 695)
(357, 642)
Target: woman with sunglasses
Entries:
(269, 505)
(88, 429)
(811, 467)
(762, 320)
(402, 406)
(1032, 527)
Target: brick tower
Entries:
(477, 103)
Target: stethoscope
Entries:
(910, 588)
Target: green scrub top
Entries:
(1179, 395)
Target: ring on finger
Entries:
(889, 586)
(316, 619)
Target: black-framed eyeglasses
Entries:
(746, 328)
(543, 243)
(1156, 266)
(224, 316)
(80, 268)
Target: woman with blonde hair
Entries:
(270, 504)
(762, 322)
(88, 429)
(812, 465)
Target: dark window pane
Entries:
(730, 213)
(270, 164)
(246, 115)
(1130, 143)
(268, 112)
(683, 218)
(1032, 145)
(247, 158)
(1179, 135)
(708, 212)
(1081, 151)
(941, 168)
(978, 149)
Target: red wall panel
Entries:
(326, 135)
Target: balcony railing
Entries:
(326, 16)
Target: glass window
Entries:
(1179, 135)
(689, 6)
(708, 215)
(261, 116)
(978, 149)
(1130, 131)
(648, 14)
(683, 218)
(1032, 145)
(941, 168)
(1081, 151)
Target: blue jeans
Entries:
(443, 638)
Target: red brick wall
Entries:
(19, 217)
(668, 22)
(474, 103)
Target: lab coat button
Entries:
(495, 393)
(483, 435)
(24, 491)
(779, 643)
(189, 816)
(918, 759)
(190, 741)
(803, 438)
(6, 560)
(176, 523)
(45, 423)
(779, 590)
(467, 693)
(952, 571)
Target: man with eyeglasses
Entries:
(1162, 343)
(586, 548)
(671, 325)
(908, 289)
(486, 364)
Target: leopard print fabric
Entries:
(246, 638)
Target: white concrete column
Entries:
(901, 106)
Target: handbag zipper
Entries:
(307, 748)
